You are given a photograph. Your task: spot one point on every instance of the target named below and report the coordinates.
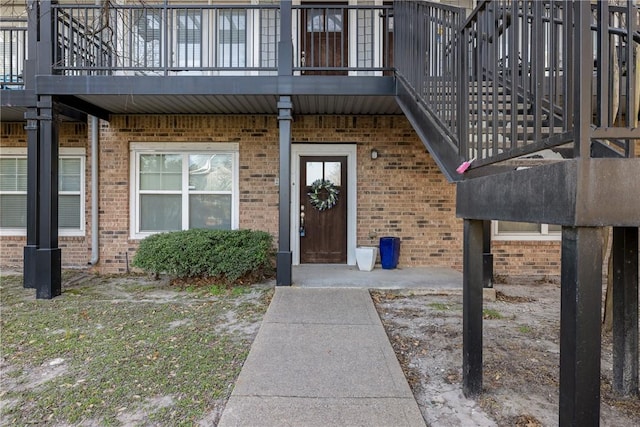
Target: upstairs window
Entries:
(189, 38)
(147, 38)
(232, 38)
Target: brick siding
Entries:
(76, 251)
(402, 193)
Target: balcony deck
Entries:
(213, 59)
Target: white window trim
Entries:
(65, 152)
(544, 234)
(137, 148)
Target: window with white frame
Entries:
(509, 230)
(232, 38)
(183, 186)
(13, 191)
(189, 48)
(147, 38)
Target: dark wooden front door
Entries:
(325, 40)
(324, 237)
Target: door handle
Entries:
(302, 229)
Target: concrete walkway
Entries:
(321, 358)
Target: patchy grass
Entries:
(525, 329)
(489, 313)
(122, 350)
(440, 306)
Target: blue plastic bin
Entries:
(389, 252)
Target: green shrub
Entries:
(228, 255)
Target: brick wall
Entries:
(402, 193)
(76, 251)
(258, 140)
(526, 258)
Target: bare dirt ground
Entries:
(521, 334)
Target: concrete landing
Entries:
(321, 358)
(348, 276)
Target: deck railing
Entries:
(13, 43)
(170, 39)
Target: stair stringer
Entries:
(439, 144)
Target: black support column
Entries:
(48, 274)
(48, 254)
(284, 258)
(33, 155)
(33, 167)
(487, 256)
(472, 307)
(625, 310)
(580, 343)
(285, 109)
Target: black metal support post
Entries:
(285, 109)
(48, 259)
(48, 254)
(33, 167)
(487, 256)
(285, 45)
(580, 343)
(284, 258)
(472, 308)
(29, 253)
(625, 310)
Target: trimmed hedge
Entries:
(225, 254)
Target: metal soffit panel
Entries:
(242, 104)
(12, 114)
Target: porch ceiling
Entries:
(104, 95)
(241, 104)
(12, 114)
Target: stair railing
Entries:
(427, 65)
(518, 80)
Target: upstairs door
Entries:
(324, 40)
(323, 230)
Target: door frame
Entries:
(303, 150)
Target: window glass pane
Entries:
(332, 172)
(324, 20)
(161, 172)
(13, 174)
(146, 34)
(160, 212)
(189, 38)
(210, 211)
(232, 38)
(554, 228)
(69, 212)
(314, 172)
(517, 227)
(13, 210)
(269, 37)
(210, 172)
(69, 176)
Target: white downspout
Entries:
(95, 249)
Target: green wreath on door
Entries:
(323, 194)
